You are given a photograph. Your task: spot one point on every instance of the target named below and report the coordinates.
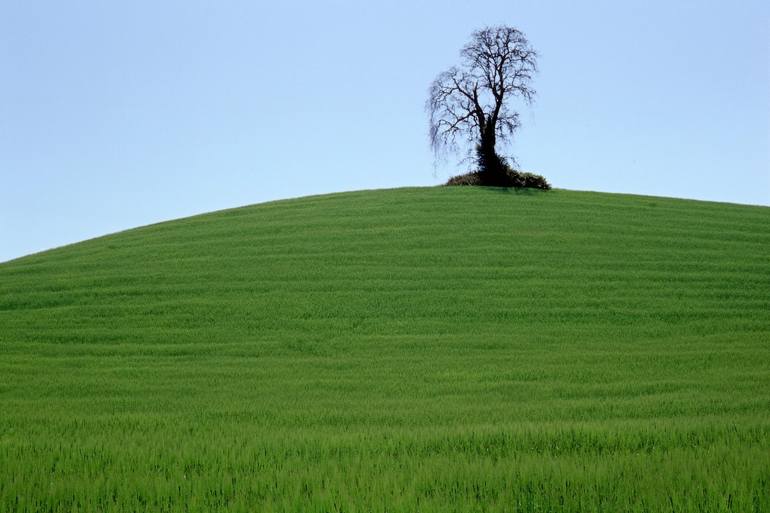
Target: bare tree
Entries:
(471, 103)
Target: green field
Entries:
(425, 349)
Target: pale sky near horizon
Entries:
(119, 114)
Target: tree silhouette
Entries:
(471, 103)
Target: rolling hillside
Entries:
(426, 349)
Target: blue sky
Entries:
(118, 114)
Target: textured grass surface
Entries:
(440, 349)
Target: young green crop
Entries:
(432, 349)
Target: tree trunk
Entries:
(491, 167)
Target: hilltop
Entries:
(397, 350)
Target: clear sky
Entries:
(123, 113)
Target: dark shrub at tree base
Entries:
(471, 178)
(509, 178)
(533, 181)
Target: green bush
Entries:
(511, 178)
(471, 178)
(533, 181)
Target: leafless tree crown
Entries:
(470, 103)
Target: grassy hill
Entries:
(427, 349)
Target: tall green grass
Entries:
(436, 349)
